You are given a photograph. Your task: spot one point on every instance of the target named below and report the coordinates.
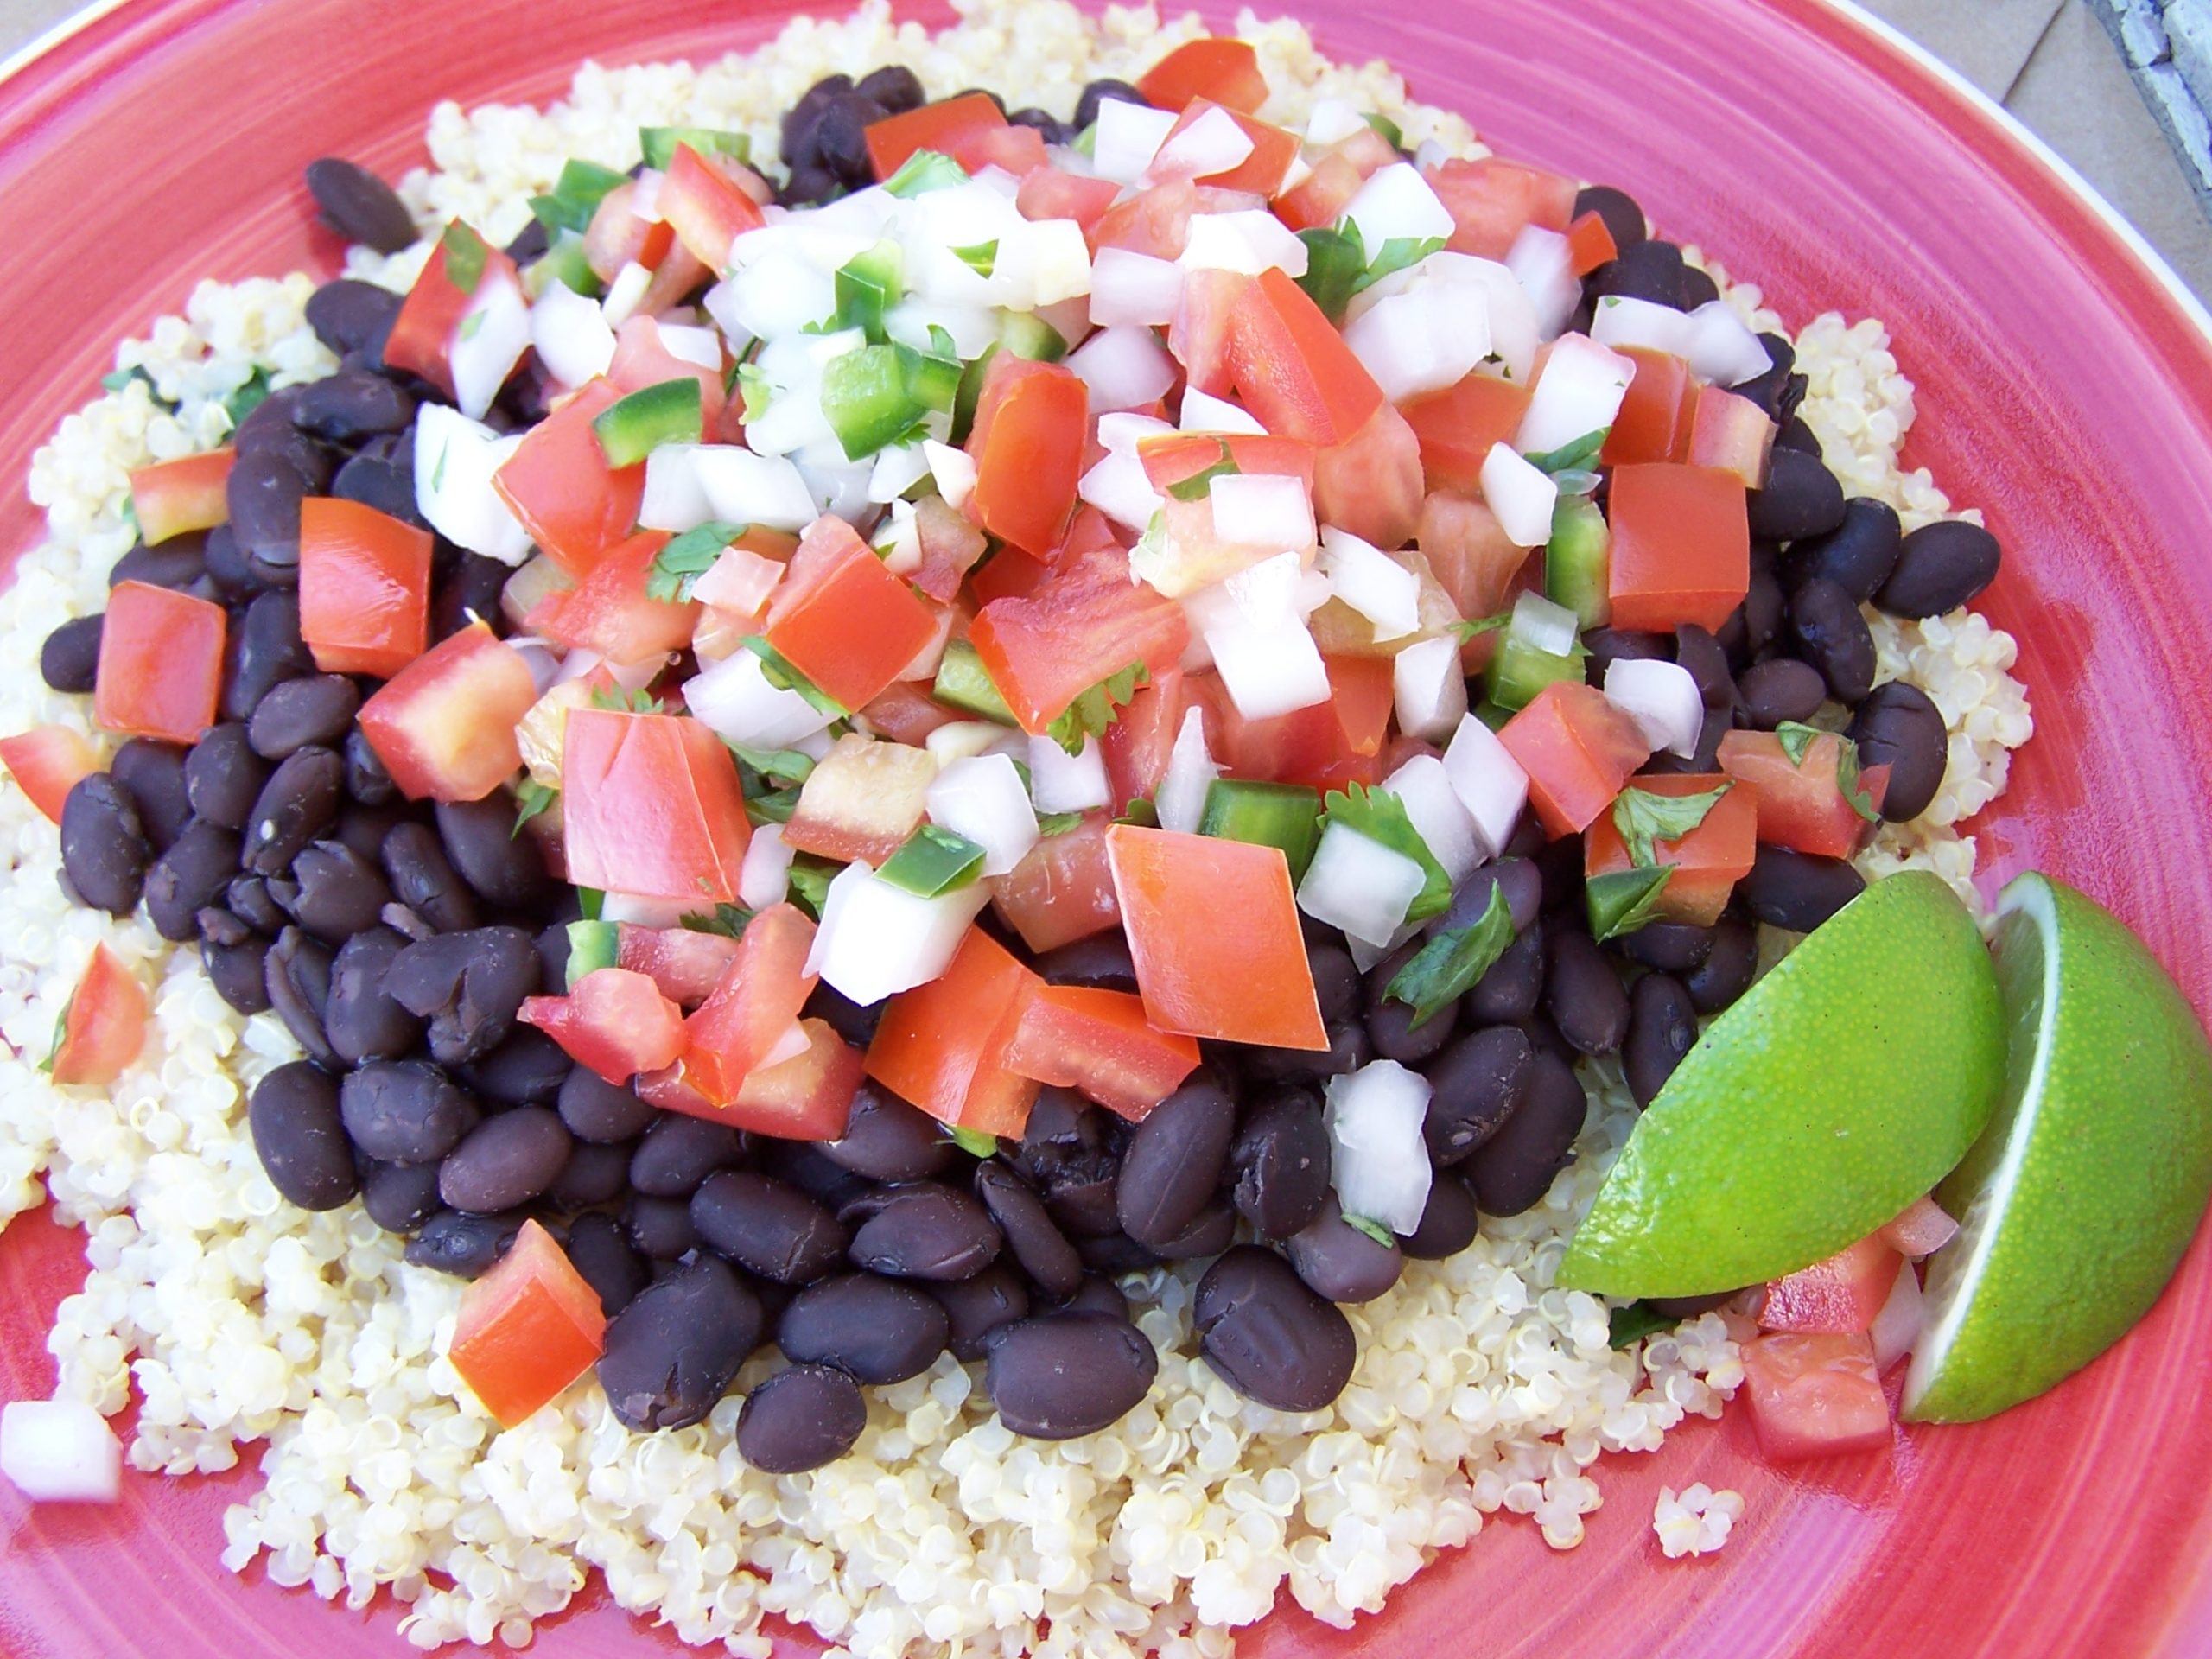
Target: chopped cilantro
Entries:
(810, 880)
(925, 170)
(466, 255)
(641, 702)
(1447, 967)
(679, 564)
(1643, 818)
(777, 670)
(1056, 823)
(1575, 457)
(975, 1143)
(575, 196)
(247, 398)
(1624, 901)
(1094, 710)
(982, 259)
(1199, 485)
(1797, 737)
(728, 920)
(1381, 818)
(1374, 1230)
(1635, 1322)
(785, 765)
(531, 798)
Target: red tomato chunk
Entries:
(104, 1026)
(573, 504)
(1227, 72)
(944, 1046)
(174, 496)
(527, 1329)
(365, 587)
(444, 726)
(161, 667)
(752, 1006)
(1801, 803)
(611, 613)
(1815, 1396)
(1578, 750)
(1682, 545)
(651, 804)
(1842, 1294)
(842, 619)
(47, 762)
(1027, 442)
(612, 1021)
(1707, 863)
(1099, 1042)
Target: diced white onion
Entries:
(1543, 264)
(1396, 203)
(570, 334)
(1249, 241)
(1180, 800)
(974, 328)
(744, 489)
(1622, 320)
(625, 294)
(899, 540)
(60, 1452)
(740, 581)
(646, 910)
(773, 289)
(982, 798)
(673, 498)
(686, 343)
(1896, 1328)
(1377, 1161)
(834, 485)
(1371, 582)
(1125, 368)
(1722, 349)
(897, 468)
(1261, 509)
(765, 875)
(1580, 391)
(1430, 690)
(1478, 287)
(1435, 812)
(488, 341)
(1268, 670)
(734, 697)
(963, 739)
(1488, 781)
(876, 939)
(1203, 412)
(1133, 289)
(454, 459)
(1365, 955)
(1129, 135)
(1042, 263)
(1423, 340)
(1212, 143)
(1357, 884)
(1522, 496)
(1120, 433)
(1332, 120)
(1545, 624)
(1662, 699)
(954, 471)
(1119, 487)
(1060, 782)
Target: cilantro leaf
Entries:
(810, 879)
(531, 798)
(770, 806)
(1643, 818)
(1381, 817)
(1393, 134)
(1094, 710)
(641, 702)
(753, 390)
(247, 398)
(1846, 779)
(925, 170)
(1056, 823)
(1140, 812)
(1199, 485)
(1624, 901)
(777, 670)
(1374, 1230)
(575, 196)
(1635, 1322)
(60, 1035)
(1575, 457)
(975, 1143)
(1334, 264)
(1447, 967)
(1396, 255)
(1476, 628)
(1797, 737)
(982, 259)
(785, 765)
(121, 379)
(728, 920)
(680, 564)
(465, 256)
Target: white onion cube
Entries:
(982, 797)
(1544, 624)
(1522, 495)
(489, 341)
(1543, 264)
(1579, 392)
(571, 335)
(877, 939)
(1662, 699)
(739, 580)
(1212, 143)
(454, 460)
(1128, 136)
(1266, 510)
(1180, 800)
(1133, 289)
(60, 1452)
(1124, 367)
(1622, 320)
(1435, 812)
(1247, 241)
(744, 489)
(674, 500)
(1355, 883)
(1203, 412)
(1271, 669)
(1378, 1163)
(1722, 348)
(1372, 583)
(765, 875)
(1119, 487)
(735, 700)
(1429, 688)
(1488, 781)
(1060, 782)
(954, 471)
(1396, 203)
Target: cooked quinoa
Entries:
(1480, 1389)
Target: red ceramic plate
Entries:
(2063, 387)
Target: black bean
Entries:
(602, 1255)
(267, 432)
(1519, 878)
(317, 709)
(1102, 961)
(1543, 1037)
(223, 776)
(1175, 1161)
(679, 1152)
(352, 406)
(1336, 982)
(1046, 124)
(1940, 567)
(151, 775)
(841, 138)
(1698, 288)
(1474, 1087)
(1624, 219)
(975, 1306)
(767, 1225)
(997, 100)
(1858, 555)
(886, 1139)
(1897, 726)
(509, 1158)
(361, 1020)
(424, 879)
(595, 1110)
(104, 847)
(1671, 947)
(803, 1164)
(465, 1246)
(333, 892)
(405, 1111)
(469, 590)
(1031, 1239)
(799, 120)
(1279, 1163)
(1513, 1170)
(1768, 388)
(1115, 1253)
(1609, 645)
(809, 184)
(296, 972)
(1449, 1220)
(1098, 91)
(363, 829)
(192, 875)
(239, 973)
(1055, 1376)
(1797, 891)
(1391, 1025)
(1700, 654)
(1510, 988)
(264, 649)
(1583, 995)
(879, 1330)
(298, 803)
(1267, 1335)
(1097, 1294)
(672, 1352)
(366, 780)
(303, 1144)
(1650, 269)
(180, 562)
(1794, 434)
(70, 658)
(249, 898)
(1340, 1261)
(359, 206)
(387, 485)
(895, 87)
(923, 1231)
(803, 1417)
(1799, 498)
(1662, 1024)
(1070, 1151)
(1727, 972)
(469, 986)
(1349, 1049)
(659, 1228)
(1214, 1231)
(526, 1070)
(1781, 689)
(1832, 636)
(264, 492)
(594, 1174)
(1762, 613)
(505, 870)
(228, 568)
(399, 1198)
(350, 316)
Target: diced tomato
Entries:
(1650, 425)
(862, 800)
(1923, 1229)
(841, 619)
(1815, 1396)
(1137, 746)
(1473, 558)
(1085, 625)
(161, 665)
(365, 587)
(1682, 545)
(1708, 862)
(1589, 243)
(1370, 483)
(1457, 426)
(1198, 337)
(705, 208)
(951, 547)
(1261, 172)
(1732, 434)
(1320, 200)
(806, 1098)
(1169, 457)
(618, 235)
(642, 358)
(1362, 693)
(1295, 372)
(444, 726)
(1099, 1042)
(574, 505)
(172, 497)
(421, 340)
(1007, 574)
(1802, 803)
(1578, 750)
(611, 612)
(751, 1006)
(104, 1028)
(1213, 930)
(1841, 1293)
(1062, 891)
(1048, 192)
(1492, 201)
(1027, 441)
(47, 762)
(612, 1021)
(943, 1045)
(906, 713)
(1225, 71)
(651, 804)
(685, 963)
(1308, 745)
(970, 129)
(529, 1327)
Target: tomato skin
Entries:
(942, 1046)
(1802, 804)
(612, 1021)
(1362, 693)
(1842, 1294)
(421, 340)
(651, 804)
(365, 587)
(444, 726)
(1296, 373)
(1371, 483)
(1262, 171)
(1198, 337)
(1589, 243)
(1708, 862)
(1081, 625)
(970, 129)
(1921, 1229)
(1137, 746)
(1099, 1042)
(1213, 930)
(172, 497)
(1311, 746)
(1650, 425)
(642, 358)
(1681, 549)
(1457, 426)
(906, 713)
(1491, 201)
(611, 613)
(1048, 192)
(1732, 432)
(1169, 457)
(1027, 442)
(841, 619)
(1815, 1396)
(807, 1097)
(574, 505)
(685, 964)
(47, 762)
(161, 664)
(528, 1328)
(105, 1025)
(1578, 750)
(705, 208)
(1063, 889)
(751, 1006)
(1225, 71)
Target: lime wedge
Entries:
(1845, 1084)
(2078, 1202)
